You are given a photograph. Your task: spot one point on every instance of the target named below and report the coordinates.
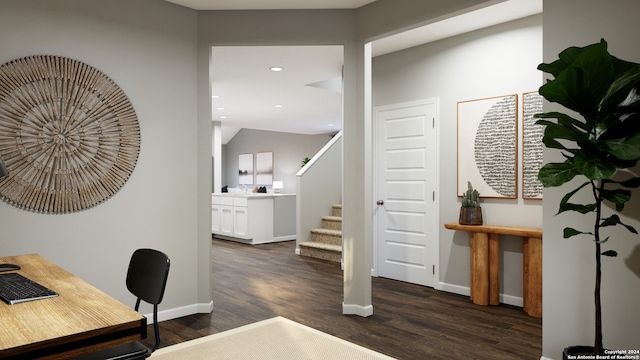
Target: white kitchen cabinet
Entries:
(240, 222)
(216, 218)
(226, 222)
(253, 218)
(222, 216)
(241, 218)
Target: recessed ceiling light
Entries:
(223, 117)
(215, 96)
(277, 68)
(330, 125)
(278, 106)
(220, 108)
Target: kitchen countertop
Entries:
(250, 195)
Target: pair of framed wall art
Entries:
(488, 146)
(263, 169)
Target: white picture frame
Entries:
(245, 169)
(264, 168)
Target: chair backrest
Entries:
(147, 275)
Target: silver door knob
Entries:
(380, 202)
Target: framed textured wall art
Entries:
(69, 135)
(488, 146)
(532, 147)
(264, 168)
(245, 169)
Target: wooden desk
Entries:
(82, 319)
(485, 264)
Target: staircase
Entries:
(326, 243)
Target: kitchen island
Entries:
(253, 218)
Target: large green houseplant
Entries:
(601, 145)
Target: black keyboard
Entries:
(15, 288)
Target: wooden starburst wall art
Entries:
(69, 135)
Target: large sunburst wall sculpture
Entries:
(69, 135)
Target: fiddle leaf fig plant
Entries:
(601, 145)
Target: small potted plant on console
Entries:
(470, 210)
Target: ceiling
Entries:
(304, 98)
(306, 89)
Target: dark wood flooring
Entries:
(256, 282)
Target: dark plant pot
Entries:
(576, 350)
(470, 216)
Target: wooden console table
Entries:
(485, 264)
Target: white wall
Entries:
(568, 264)
(149, 48)
(496, 61)
(288, 151)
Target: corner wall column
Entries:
(356, 181)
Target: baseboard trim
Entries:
(463, 290)
(353, 309)
(511, 300)
(179, 312)
(545, 358)
(456, 289)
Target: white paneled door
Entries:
(406, 184)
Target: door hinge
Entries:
(433, 195)
(434, 269)
(433, 123)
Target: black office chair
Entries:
(146, 279)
